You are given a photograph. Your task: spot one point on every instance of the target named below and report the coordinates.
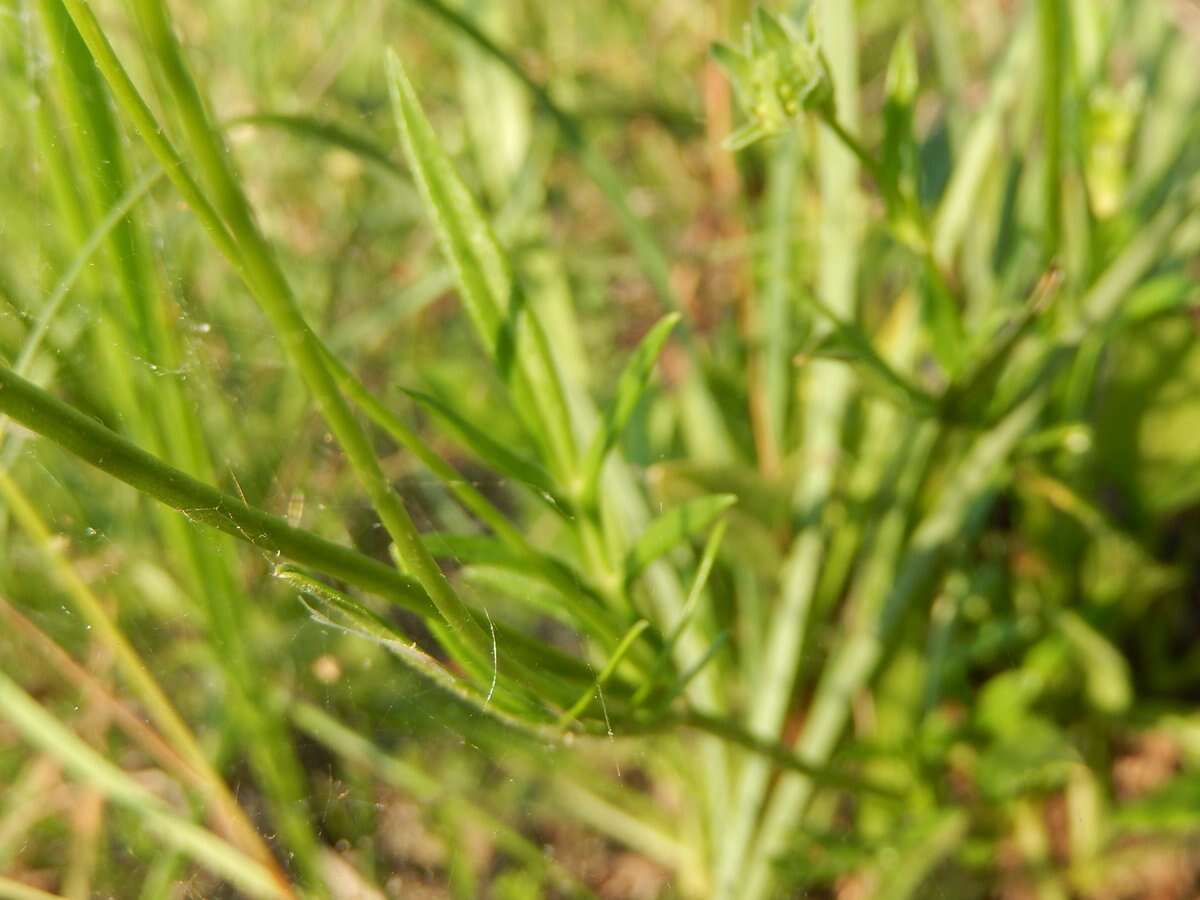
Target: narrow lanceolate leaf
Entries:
(661, 662)
(119, 210)
(87, 439)
(849, 344)
(511, 702)
(672, 528)
(495, 454)
(630, 387)
(508, 328)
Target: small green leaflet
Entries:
(673, 527)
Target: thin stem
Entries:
(94, 444)
(245, 247)
(1051, 34)
(470, 498)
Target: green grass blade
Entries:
(576, 600)
(511, 703)
(701, 410)
(828, 389)
(168, 426)
(245, 246)
(454, 482)
(954, 212)
(967, 493)
(134, 671)
(653, 259)
(1052, 33)
(778, 295)
(41, 729)
(46, 312)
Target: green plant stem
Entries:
(774, 328)
(94, 444)
(46, 312)
(865, 158)
(781, 755)
(167, 427)
(247, 250)
(653, 259)
(827, 392)
(394, 426)
(1051, 32)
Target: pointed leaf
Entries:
(630, 387)
(851, 345)
(743, 137)
(733, 63)
(899, 145)
(673, 527)
(561, 590)
(511, 334)
(332, 608)
(768, 32)
(618, 654)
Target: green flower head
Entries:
(779, 74)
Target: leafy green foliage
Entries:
(520, 478)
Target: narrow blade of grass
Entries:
(42, 730)
(827, 392)
(618, 655)
(322, 131)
